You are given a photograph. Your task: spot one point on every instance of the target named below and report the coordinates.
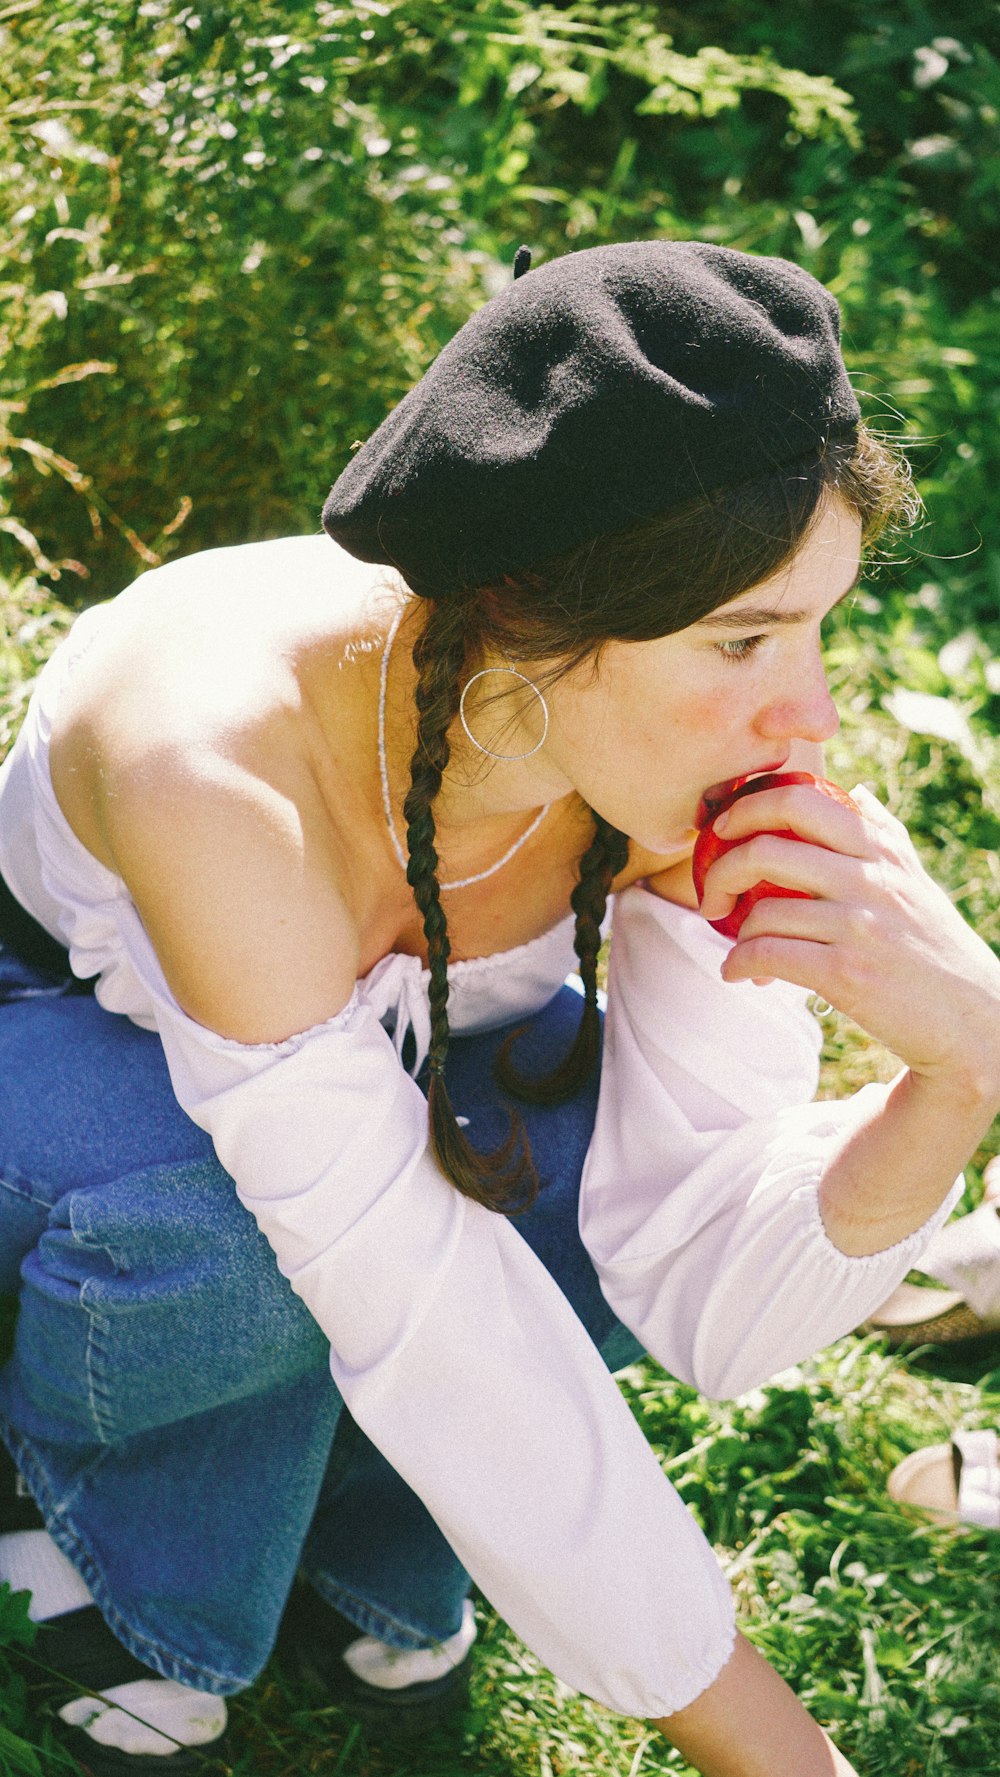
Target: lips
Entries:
(716, 794)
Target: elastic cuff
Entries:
(703, 1677)
(905, 1252)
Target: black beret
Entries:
(601, 388)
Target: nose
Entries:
(804, 710)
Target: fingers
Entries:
(811, 869)
(799, 941)
(818, 922)
(765, 959)
(805, 942)
(885, 829)
(803, 810)
(870, 931)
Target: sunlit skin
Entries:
(665, 719)
(658, 722)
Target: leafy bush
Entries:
(229, 249)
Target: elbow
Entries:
(724, 1361)
(702, 1349)
(716, 1373)
(717, 1376)
(722, 1370)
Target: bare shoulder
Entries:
(236, 876)
(184, 755)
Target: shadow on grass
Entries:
(281, 1728)
(974, 1361)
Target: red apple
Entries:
(709, 845)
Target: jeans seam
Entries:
(98, 1395)
(375, 1617)
(23, 1191)
(64, 1533)
(98, 1327)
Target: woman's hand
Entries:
(879, 939)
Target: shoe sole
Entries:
(402, 1715)
(109, 1761)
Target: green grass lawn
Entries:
(888, 1628)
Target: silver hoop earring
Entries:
(510, 758)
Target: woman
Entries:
(617, 510)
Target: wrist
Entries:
(969, 1088)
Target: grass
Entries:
(886, 1626)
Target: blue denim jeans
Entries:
(169, 1398)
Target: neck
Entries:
(481, 800)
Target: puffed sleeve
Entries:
(458, 1354)
(699, 1199)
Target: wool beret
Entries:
(601, 388)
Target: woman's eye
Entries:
(741, 648)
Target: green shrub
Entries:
(228, 249)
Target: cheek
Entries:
(704, 713)
(644, 716)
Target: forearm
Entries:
(894, 1170)
(748, 1723)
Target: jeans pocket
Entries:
(156, 1298)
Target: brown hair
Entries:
(651, 580)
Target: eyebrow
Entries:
(763, 616)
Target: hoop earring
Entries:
(510, 758)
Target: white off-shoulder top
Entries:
(451, 1344)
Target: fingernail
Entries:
(717, 906)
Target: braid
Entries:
(506, 1179)
(437, 702)
(604, 858)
